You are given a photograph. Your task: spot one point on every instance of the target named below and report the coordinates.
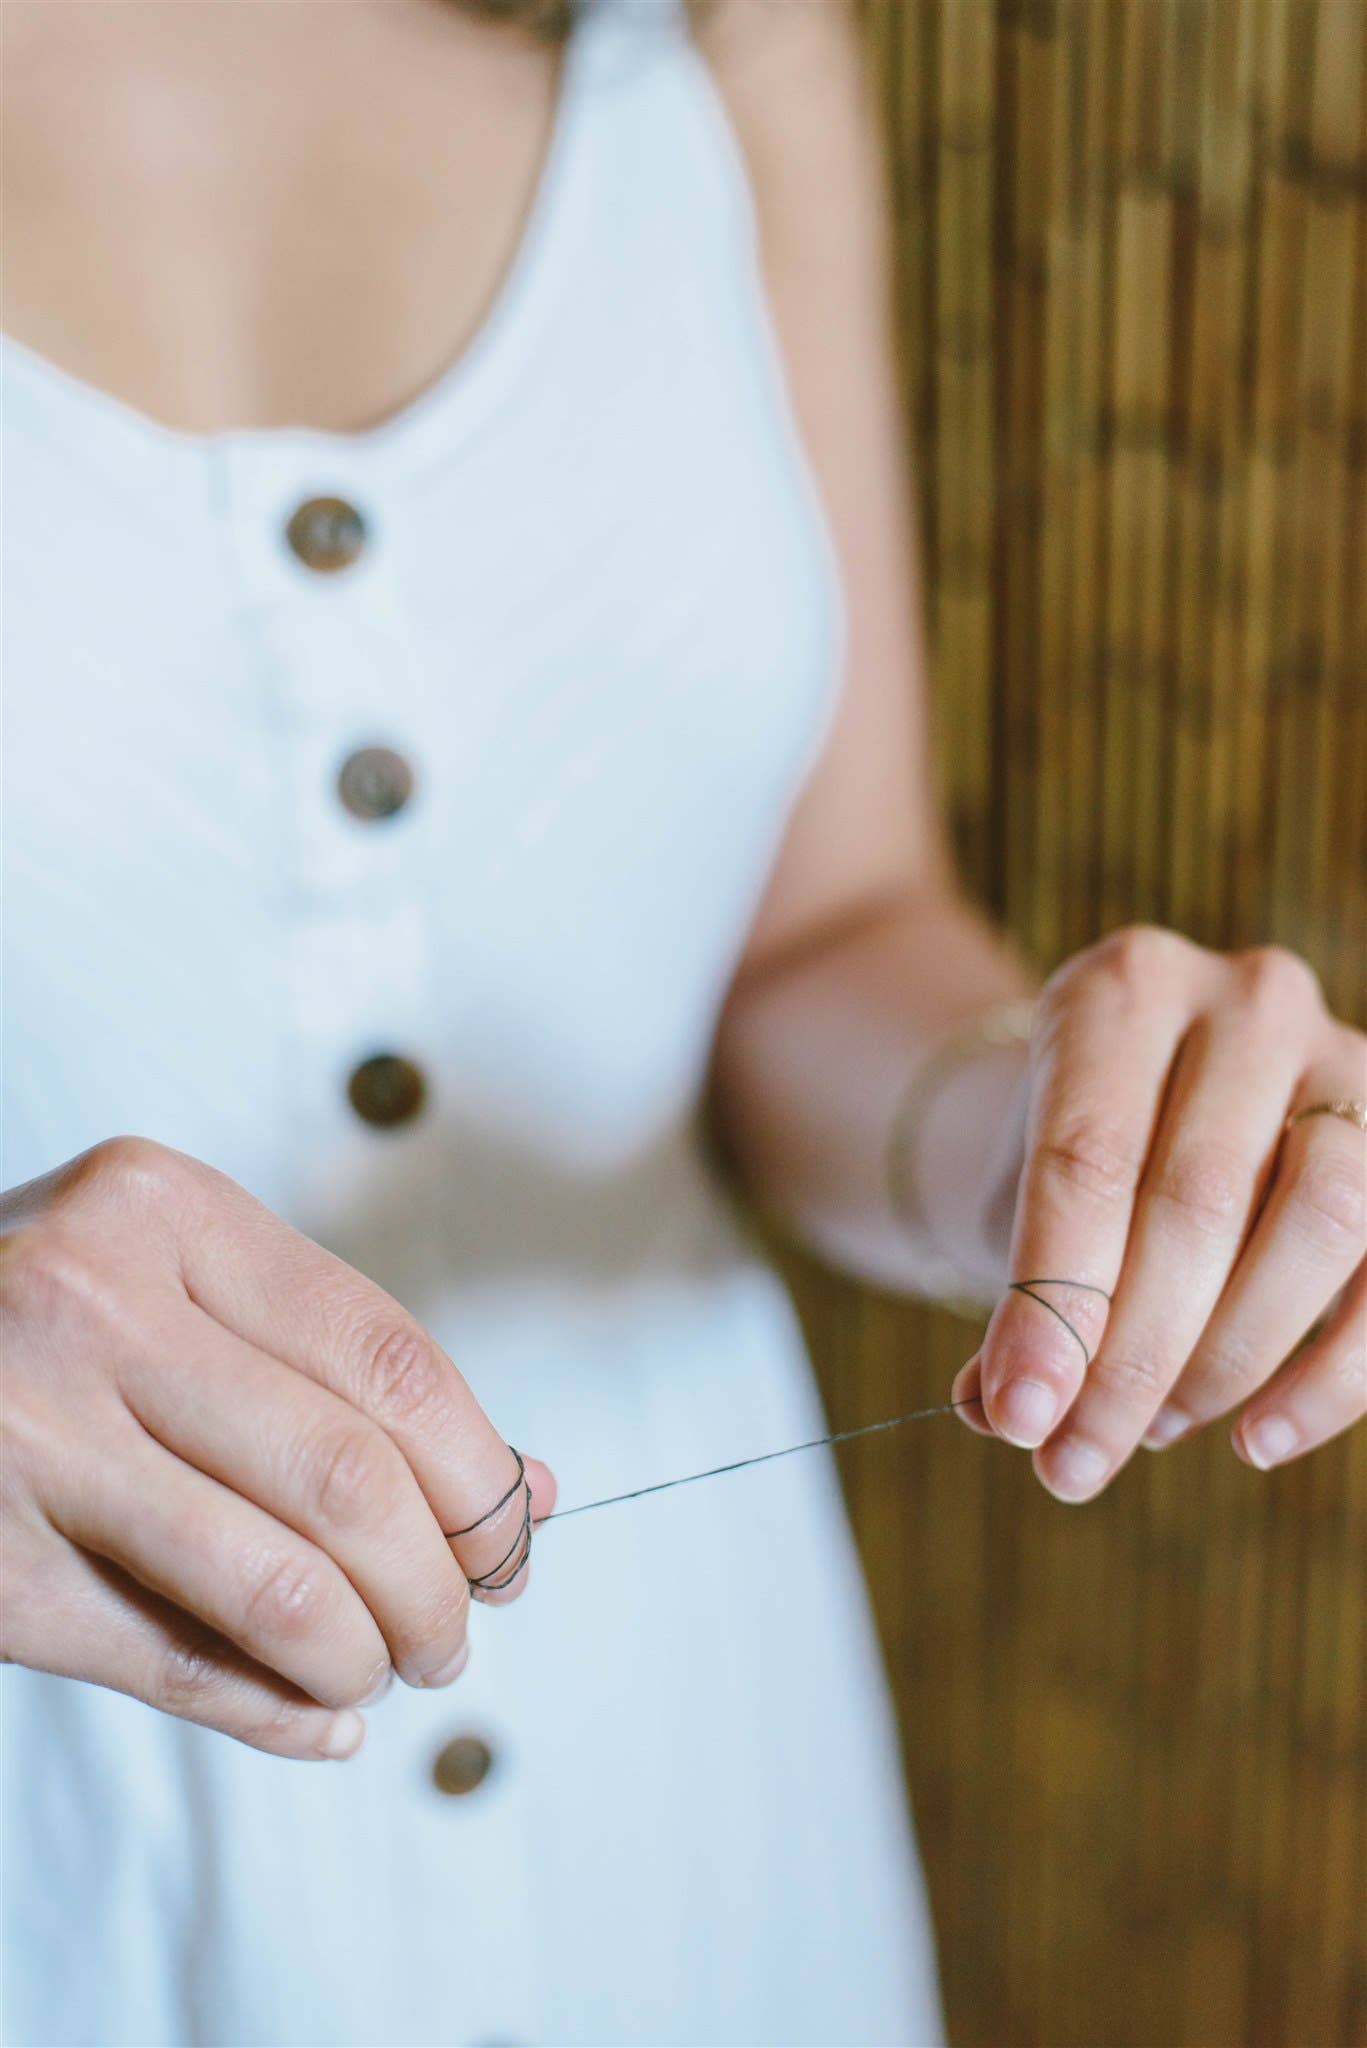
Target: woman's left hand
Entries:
(1177, 1236)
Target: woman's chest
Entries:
(225, 218)
(316, 756)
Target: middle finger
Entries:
(1216, 1135)
(289, 1297)
(1306, 1244)
(313, 1462)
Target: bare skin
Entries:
(272, 215)
(238, 1478)
(317, 203)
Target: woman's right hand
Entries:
(230, 1460)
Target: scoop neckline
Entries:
(87, 417)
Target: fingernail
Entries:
(1075, 1472)
(1025, 1412)
(343, 1736)
(377, 1692)
(1268, 1441)
(446, 1673)
(1167, 1425)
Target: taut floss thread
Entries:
(522, 1543)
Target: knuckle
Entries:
(44, 1273)
(351, 1480)
(28, 1267)
(1089, 1157)
(287, 1600)
(189, 1674)
(402, 1373)
(133, 1168)
(1278, 980)
(1209, 1187)
(1137, 952)
(1232, 1360)
(1329, 1197)
(1134, 1380)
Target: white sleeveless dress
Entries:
(593, 610)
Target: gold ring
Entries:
(1342, 1106)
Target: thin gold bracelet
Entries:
(941, 1277)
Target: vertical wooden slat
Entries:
(963, 491)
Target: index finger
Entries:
(281, 1292)
(1101, 1063)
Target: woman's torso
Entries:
(591, 611)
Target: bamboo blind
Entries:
(1132, 300)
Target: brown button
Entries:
(464, 1764)
(387, 1089)
(374, 782)
(326, 534)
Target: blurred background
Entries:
(1132, 301)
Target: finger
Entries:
(1101, 1059)
(287, 1296)
(1306, 1244)
(509, 1526)
(1322, 1391)
(1207, 1168)
(132, 1642)
(309, 1459)
(967, 1397)
(228, 1563)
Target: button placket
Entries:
(341, 674)
(345, 686)
(344, 682)
(473, 1794)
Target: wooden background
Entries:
(1132, 248)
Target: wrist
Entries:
(956, 1148)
